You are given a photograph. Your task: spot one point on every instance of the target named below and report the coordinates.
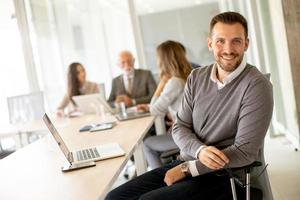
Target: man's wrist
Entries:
(185, 168)
(199, 150)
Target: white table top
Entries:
(34, 171)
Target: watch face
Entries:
(184, 167)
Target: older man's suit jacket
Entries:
(143, 87)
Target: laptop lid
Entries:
(132, 115)
(106, 104)
(89, 102)
(57, 138)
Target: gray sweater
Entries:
(237, 115)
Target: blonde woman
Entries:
(174, 70)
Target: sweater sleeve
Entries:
(64, 103)
(172, 90)
(95, 88)
(182, 132)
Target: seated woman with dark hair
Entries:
(77, 85)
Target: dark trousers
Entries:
(151, 186)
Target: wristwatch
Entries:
(185, 168)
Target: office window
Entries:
(90, 32)
(13, 72)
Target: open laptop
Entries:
(95, 153)
(88, 103)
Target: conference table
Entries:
(34, 172)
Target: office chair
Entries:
(25, 108)
(169, 156)
(263, 181)
(261, 189)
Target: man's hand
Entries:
(124, 98)
(212, 158)
(142, 108)
(174, 175)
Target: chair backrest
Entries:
(263, 180)
(101, 88)
(27, 107)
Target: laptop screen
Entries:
(57, 137)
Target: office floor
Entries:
(283, 169)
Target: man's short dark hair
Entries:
(229, 18)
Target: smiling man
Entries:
(223, 118)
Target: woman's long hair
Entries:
(172, 60)
(73, 82)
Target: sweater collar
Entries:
(230, 77)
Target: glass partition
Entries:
(12, 68)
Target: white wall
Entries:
(187, 25)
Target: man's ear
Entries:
(246, 44)
(209, 44)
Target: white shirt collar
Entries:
(230, 77)
(129, 75)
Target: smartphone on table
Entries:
(100, 127)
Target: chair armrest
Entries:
(248, 167)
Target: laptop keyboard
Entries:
(87, 154)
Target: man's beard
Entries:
(130, 71)
(229, 68)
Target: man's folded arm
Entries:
(253, 123)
